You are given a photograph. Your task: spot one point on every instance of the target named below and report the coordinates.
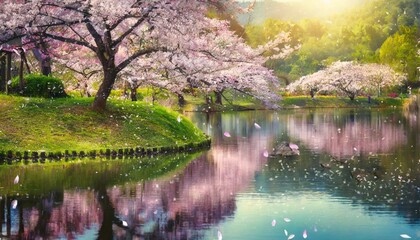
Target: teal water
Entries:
(370, 189)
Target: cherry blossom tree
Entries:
(105, 27)
(349, 78)
(221, 60)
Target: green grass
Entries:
(69, 124)
(235, 101)
(338, 102)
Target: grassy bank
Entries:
(69, 124)
(288, 102)
(338, 102)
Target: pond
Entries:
(357, 177)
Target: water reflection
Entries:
(347, 135)
(372, 174)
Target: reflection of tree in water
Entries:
(52, 215)
(203, 194)
(348, 135)
(366, 158)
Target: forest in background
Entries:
(379, 31)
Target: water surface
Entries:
(368, 188)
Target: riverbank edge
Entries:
(304, 102)
(160, 120)
(11, 157)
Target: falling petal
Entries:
(287, 219)
(265, 153)
(124, 223)
(405, 236)
(315, 229)
(227, 134)
(14, 203)
(179, 119)
(285, 232)
(291, 236)
(293, 146)
(16, 181)
(257, 126)
(219, 235)
(9, 82)
(273, 223)
(355, 149)
(304, 234)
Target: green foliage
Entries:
(336, 102)
(40, 86)
(119, 94)
(380, 31)
(400, 52)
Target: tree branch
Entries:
(71, 40)
(131, 29)
(137, 54)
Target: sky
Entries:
(298, 9)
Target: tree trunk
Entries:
(312, 93)
(181, 100)
(3, 73)
(46, 67)
(99, 104)
(8, 70)
(25, 60)
(218, 97)
(209, 99)
(133, 93)
(21, 83)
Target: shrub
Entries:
(40, 86)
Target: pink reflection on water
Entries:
(353, 138)
(202, 194)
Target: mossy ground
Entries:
(69, 124)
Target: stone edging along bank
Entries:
(11, 156)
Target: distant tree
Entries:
(348, 78)
(400, 52)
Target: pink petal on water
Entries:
(315, 229)
(304, 234)
(227, 134)
(291, 236)
(265, 153)
(287, 219)
(16, 181)
(274, 222)
(219, 235)
(405, 236)
(257, 126)
(285, 232)
(14, 204)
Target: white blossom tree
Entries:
(349, 78)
